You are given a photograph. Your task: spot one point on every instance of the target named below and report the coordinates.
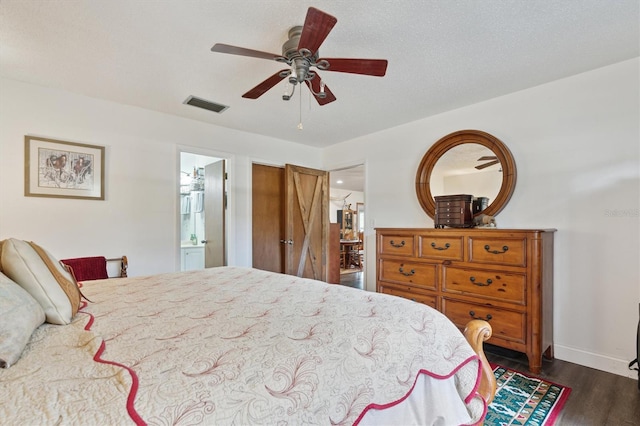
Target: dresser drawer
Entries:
(440, 247)
(450, 213)
(503, 286)
(455, 205)
(450, 219)
(506, 325)
(397, 271)
(402, 245)
(498, 251)
(408, 293)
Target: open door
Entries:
(306, 216)
(268, 244)
(214, 208)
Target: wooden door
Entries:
(333, 273)
(268, 217)
(306, 215)
(214, 214)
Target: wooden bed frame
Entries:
(476, 333)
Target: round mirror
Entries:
(467, 162)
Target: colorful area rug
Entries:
(525, 400)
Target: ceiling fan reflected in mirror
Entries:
(300, 53)
(492, 159)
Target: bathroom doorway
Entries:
(202, 211)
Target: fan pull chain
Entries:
(300, 103)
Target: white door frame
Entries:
(230, 223)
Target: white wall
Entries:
(140, 216)
(576, 144)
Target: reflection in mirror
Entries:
(467, 169)
(485, 151)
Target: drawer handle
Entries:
(446, 246)
(472, 314)
(504, 249)
(397, 245)
(406, 274)
(480, 284)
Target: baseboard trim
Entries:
(593, 360)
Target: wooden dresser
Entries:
(504, 276)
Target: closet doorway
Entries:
(290, 220)
(202, 211)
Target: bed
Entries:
(238, 346)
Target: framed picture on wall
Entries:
(60, 169)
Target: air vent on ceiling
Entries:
(204, 104)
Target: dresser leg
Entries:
(548, 354)
(534, 368)
(535, 362)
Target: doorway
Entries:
(290, 220)
(202, 211)
(347, 197)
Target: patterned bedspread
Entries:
(234, 346)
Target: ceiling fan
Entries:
(491, 161)
(300, 53)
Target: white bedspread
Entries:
(240, 346)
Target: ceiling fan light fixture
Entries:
(288, 95)
(293, 78)
(321, 93)
(301, 53)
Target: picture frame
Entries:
(61, 169)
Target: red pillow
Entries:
(88, 268)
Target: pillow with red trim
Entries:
(21, 315)
(43, 277)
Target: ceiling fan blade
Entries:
(261, 88)
(487, 157)
(241, 51)
(317, 26)
(485, 165)
(375, 67)
(314, 86)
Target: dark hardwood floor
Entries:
(352, 279)
(597, 398)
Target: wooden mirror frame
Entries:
(423, 176)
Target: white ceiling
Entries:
(443, 54)
(351, 179)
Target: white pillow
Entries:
(20, 315)
(44, 278)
